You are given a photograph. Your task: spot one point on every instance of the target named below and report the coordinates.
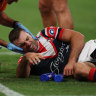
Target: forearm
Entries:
(5, 20)
(3, 43)
(77, 43)
(23, 69)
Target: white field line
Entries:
(8, 92)
(9, 53)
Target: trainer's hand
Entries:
(68, 70)
(33, 58)
(14, 48)
(19, 25)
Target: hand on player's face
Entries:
(26, 42)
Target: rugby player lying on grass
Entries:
(55, 50)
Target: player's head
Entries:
(22, 39)
(11, 1)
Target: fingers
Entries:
(68, 72)
(31, 62)
(37, 58)
(34, 58)
(40, 56)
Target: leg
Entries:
(47, 14)
(23, 69)
(81, 70)
(63, 13)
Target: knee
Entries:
(60, 8)
(78, 69)
(44, 8)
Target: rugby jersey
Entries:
(46, 37)
(53, 49)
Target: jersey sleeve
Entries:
(20, 59)
(3, 5)
(53, 32)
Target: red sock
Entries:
(92, 74)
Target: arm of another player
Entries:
(5, 20)
(76, 40)
(11, 46)
(19, 25)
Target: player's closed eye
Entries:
(23, 44)
(27, 38)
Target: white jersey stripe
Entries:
(48, 46)
(56, 33)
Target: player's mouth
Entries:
(33, 47)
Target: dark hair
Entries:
(14, 34)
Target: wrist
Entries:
(14, 24)
(71, 62)
(3, 43)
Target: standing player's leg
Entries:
(63, 13)
(47, 14)
(85, 71)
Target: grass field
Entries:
(26, 11)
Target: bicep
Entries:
(68, 34)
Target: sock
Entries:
(92, 74)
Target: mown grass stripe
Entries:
(9, 53)
(8, 92)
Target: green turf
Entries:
(26, 11)
(2, 94)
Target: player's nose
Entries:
(27, 43)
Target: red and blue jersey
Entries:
(47, 38)
(53, 49)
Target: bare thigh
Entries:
(53, 4)
(59, 4)
(81, 70)
(45, 3)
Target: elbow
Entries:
(21, 75)
(18, 76)
(82, 40)
(79, 36)
(82, 37)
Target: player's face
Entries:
(11, 1)
(26, 42)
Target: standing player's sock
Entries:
(92, 74)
